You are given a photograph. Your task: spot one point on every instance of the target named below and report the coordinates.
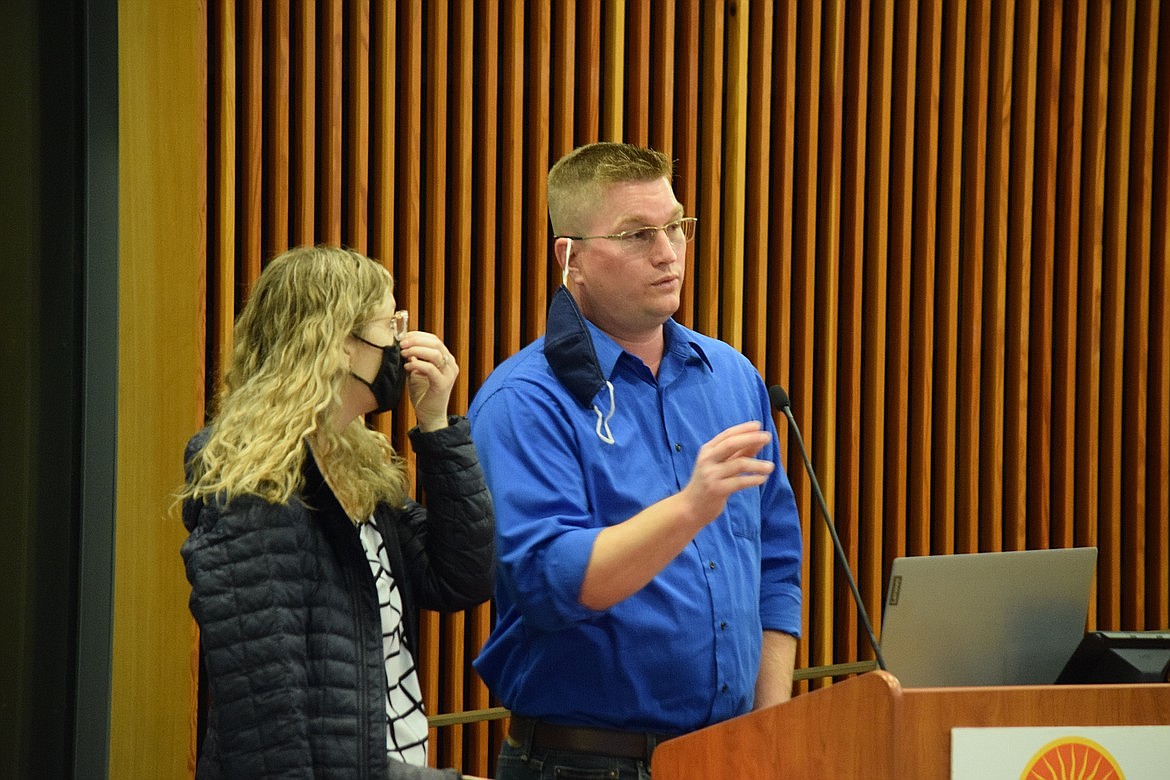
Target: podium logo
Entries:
(1072, 758)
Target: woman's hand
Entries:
(430, 377)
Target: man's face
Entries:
(629, 288)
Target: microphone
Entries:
(780, 400)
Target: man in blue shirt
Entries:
(648, 541)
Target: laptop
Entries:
(1002, 618)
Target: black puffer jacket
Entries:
(288, 613)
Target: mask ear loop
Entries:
(606, 437)
(565, 270)
(602, 421)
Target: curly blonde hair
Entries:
(284, 383)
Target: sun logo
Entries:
(1072, 758)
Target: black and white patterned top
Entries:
(406, 720)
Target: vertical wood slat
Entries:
(1041, 374)
(221, 273)
(249, 167)
(1088, 323)
(684, 143)
(613, 71)
(331, 127)
(781, 139)
(587, 70)
(435, 182)
(486, 228)
(709, 175)
(480, 739)
(923, 271)
(871, 499)
(483, 742)
(873, 302)
(803, 297)
(661, 76)
(1115, 216)
(356, 129)
(733, 185)
(968, 396)
(382, 26)
(304, 132)
(1136, 292)
(468, 630)
(1018, 276)
(948, 224)
(1066, 278)
(383, 132)
(1158, 424)
(275, 206)
(757, 261)
(409, 188)
(945, 231)
(534, 260)
(847, 502)
(898, 264)
(992, 313)
(636, 59)
(1112, 597)
(436, 189)
(563, 66)
(826, 297)
(511, 134)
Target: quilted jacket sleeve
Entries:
(449, 546)
(247, 567)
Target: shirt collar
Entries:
(681, 341)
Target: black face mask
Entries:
(387, 384)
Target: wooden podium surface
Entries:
(870, 727)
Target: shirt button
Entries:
(678, 446)
(712, 565)
(723, 624)
(724, 688)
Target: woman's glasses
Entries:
(401, 323)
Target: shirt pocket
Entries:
(743, 510)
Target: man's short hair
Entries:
(576, 180)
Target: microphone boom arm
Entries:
(786, 408)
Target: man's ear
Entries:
(564, 252)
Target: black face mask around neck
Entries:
(388, 382)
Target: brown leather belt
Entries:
(578, 739)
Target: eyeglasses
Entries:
(400, 323)
(678, 232)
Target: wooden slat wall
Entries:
(943, 227)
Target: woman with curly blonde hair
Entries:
(307, 558)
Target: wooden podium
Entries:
(870, 727)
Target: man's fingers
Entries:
(735, 430)
(741, 443)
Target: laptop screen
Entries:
(1002, 618)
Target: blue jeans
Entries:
(519, 761)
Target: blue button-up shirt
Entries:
(684, 651)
